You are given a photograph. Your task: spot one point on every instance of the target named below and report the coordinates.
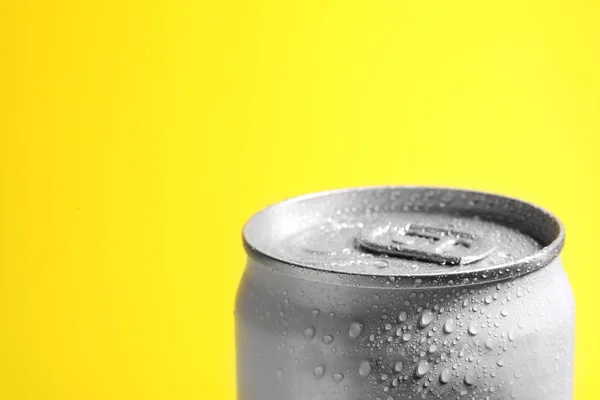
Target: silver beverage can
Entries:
(397, 293)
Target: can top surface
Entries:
(435, 236)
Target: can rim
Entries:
(539, 259)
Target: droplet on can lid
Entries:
(449, 326)
(422, 369)
(473, 329)
(398, 366)
(402, 316)
(470, 378)
(327, 339)
(309, 333)
(319, 372)
(364, 368)
(445, 376)
(355, 330)
(426, 318)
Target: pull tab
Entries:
(426, 243)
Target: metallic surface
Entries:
(404, 293)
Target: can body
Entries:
(307, 340)
(309, 334)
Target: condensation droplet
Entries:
(309, 334)
(470, 378)
(319, 372)
(398, 366)
(473, 329)
(402, 316)
(327, 339)
(426, 318)
(445, 376)
(422, 369)
(355, 330)
(449, 326)
(364, 368)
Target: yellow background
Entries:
(136, 137)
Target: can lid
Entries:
(434, 236)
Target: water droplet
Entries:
(398, 366)
(426, 318)
(473, 329)
(315, 313)
(279, 373)
(337, 378)
(380, 263)
(422, 369)
(402, 316)
(406, 337)
(432, 348)
(449, 326)
(364, 368)
(470, 378)
(327, 339)
(309, 334)
(355, 330)
(518, 374)
(504, 312)
(319, 372)
(445, 376)
(488, 299)
(489, 343)
(500, 363)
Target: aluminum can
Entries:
(397, 293)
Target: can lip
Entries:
(538, 259)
